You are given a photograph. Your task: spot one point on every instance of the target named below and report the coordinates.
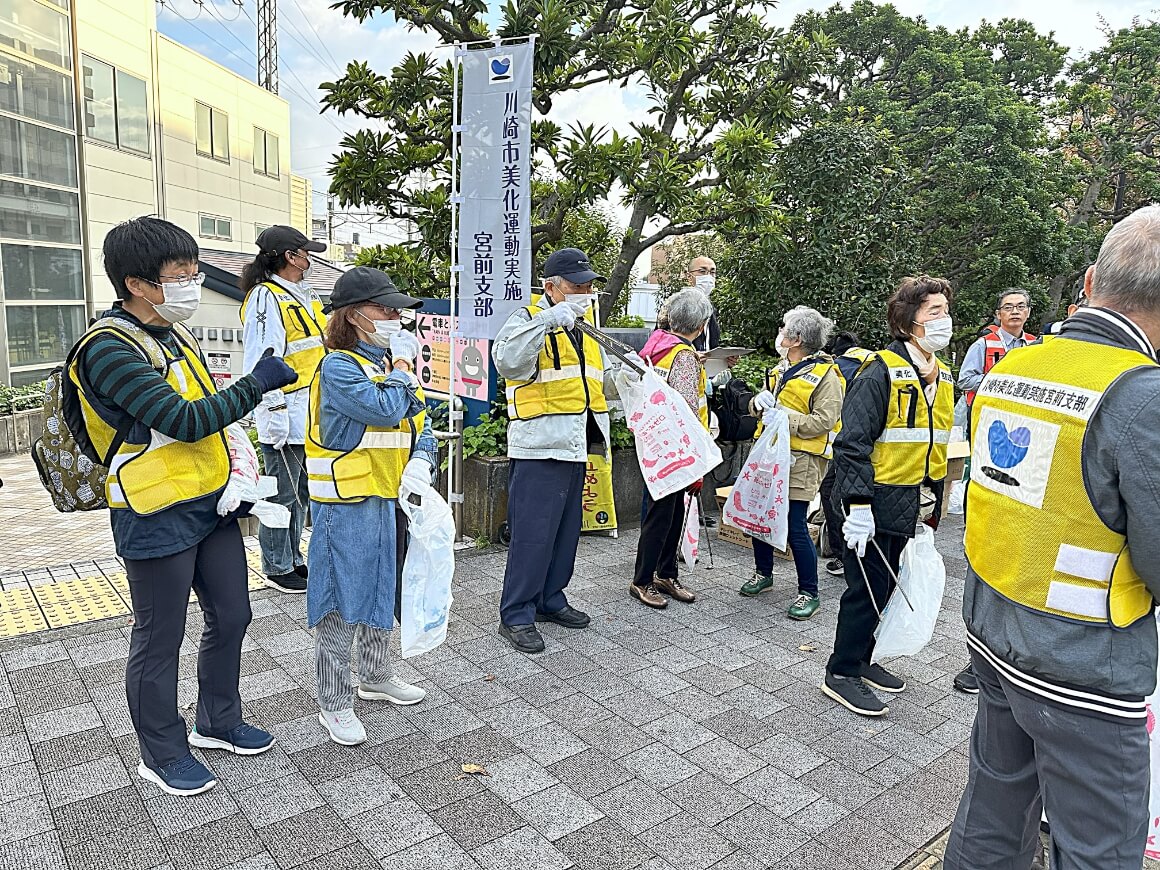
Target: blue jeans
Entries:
(281, 549)
(805, 556)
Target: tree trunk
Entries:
(630, 249)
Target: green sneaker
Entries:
(760, 583)
(805, 607)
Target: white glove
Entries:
(231, 498)
(278, 428)
(629, 372)
(416, 476)
(561, 314)
(764, 401)
(580, 306)
(858, 528)
(404, 346)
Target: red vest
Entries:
(994, 350)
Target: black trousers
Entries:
(834, 516)
(545, 514)
(660, 539)
(216, 571)
(857, 616)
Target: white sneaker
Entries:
(393, 690)
(343, 726)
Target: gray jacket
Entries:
(1122, 477)
(564, 437)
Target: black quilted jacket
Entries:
(863, 419)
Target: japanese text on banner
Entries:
(494, 216)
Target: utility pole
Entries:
(268, 45)
(330, 220)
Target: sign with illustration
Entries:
(1012, 455)
(597, 498)
(433, 367)
(220, 368)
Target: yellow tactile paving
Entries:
(91, 587)
(15, 622)
(17, 599)
(77, 610)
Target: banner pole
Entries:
(455, 414)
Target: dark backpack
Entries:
(731, 405)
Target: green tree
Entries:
(849, 235)
(1109, 119)
(721, 83)
(966, 111)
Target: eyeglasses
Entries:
(1011, 309)
(704, 270)
(181, 281)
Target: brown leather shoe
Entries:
(674, 589)
(648, 595)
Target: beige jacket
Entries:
(805, 478)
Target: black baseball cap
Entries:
(571, 264)
(364, 284)
(279, 238)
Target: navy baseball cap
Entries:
(571, 264)
(364, 284)
(279, 238)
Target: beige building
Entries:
(102, 119)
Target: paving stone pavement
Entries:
(689, 739)
(684, 739)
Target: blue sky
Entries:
(315, 43)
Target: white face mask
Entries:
(384, 329)
(180, 302)
(780, 347)
(705, 283)
(938, 334)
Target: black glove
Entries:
(273, 373)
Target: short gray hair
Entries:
(1127, 273)
(809, 325)
(688, 311)
(1013, 291)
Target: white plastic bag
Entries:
(922, 575)
(691, 534)
(427, 572)
(958, 499)
(246, 485)
(673, 448)
(1152, 849)
(759, 502)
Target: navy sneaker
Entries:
(186, 776)
(243, 740)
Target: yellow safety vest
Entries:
(665, 363)
(1054, 554)
(161, 473)
(797, 394)
(564, 383)
(304, 330)
(374, 466)
(913, 444)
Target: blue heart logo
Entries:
(1008, 448)
(501, 65)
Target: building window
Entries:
(36, 31)
(36, 274)
(265, 153)
(37, 153)
(40, 334)
(213, 133)
(259, 229)
(35, 92)
(39, 214)
(116, 107)
(214, 227)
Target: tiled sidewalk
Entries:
(690, 738)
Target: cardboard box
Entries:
(957, 454)
(734, 535)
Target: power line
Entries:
(317, 35)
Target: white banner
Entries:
(495, 249)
